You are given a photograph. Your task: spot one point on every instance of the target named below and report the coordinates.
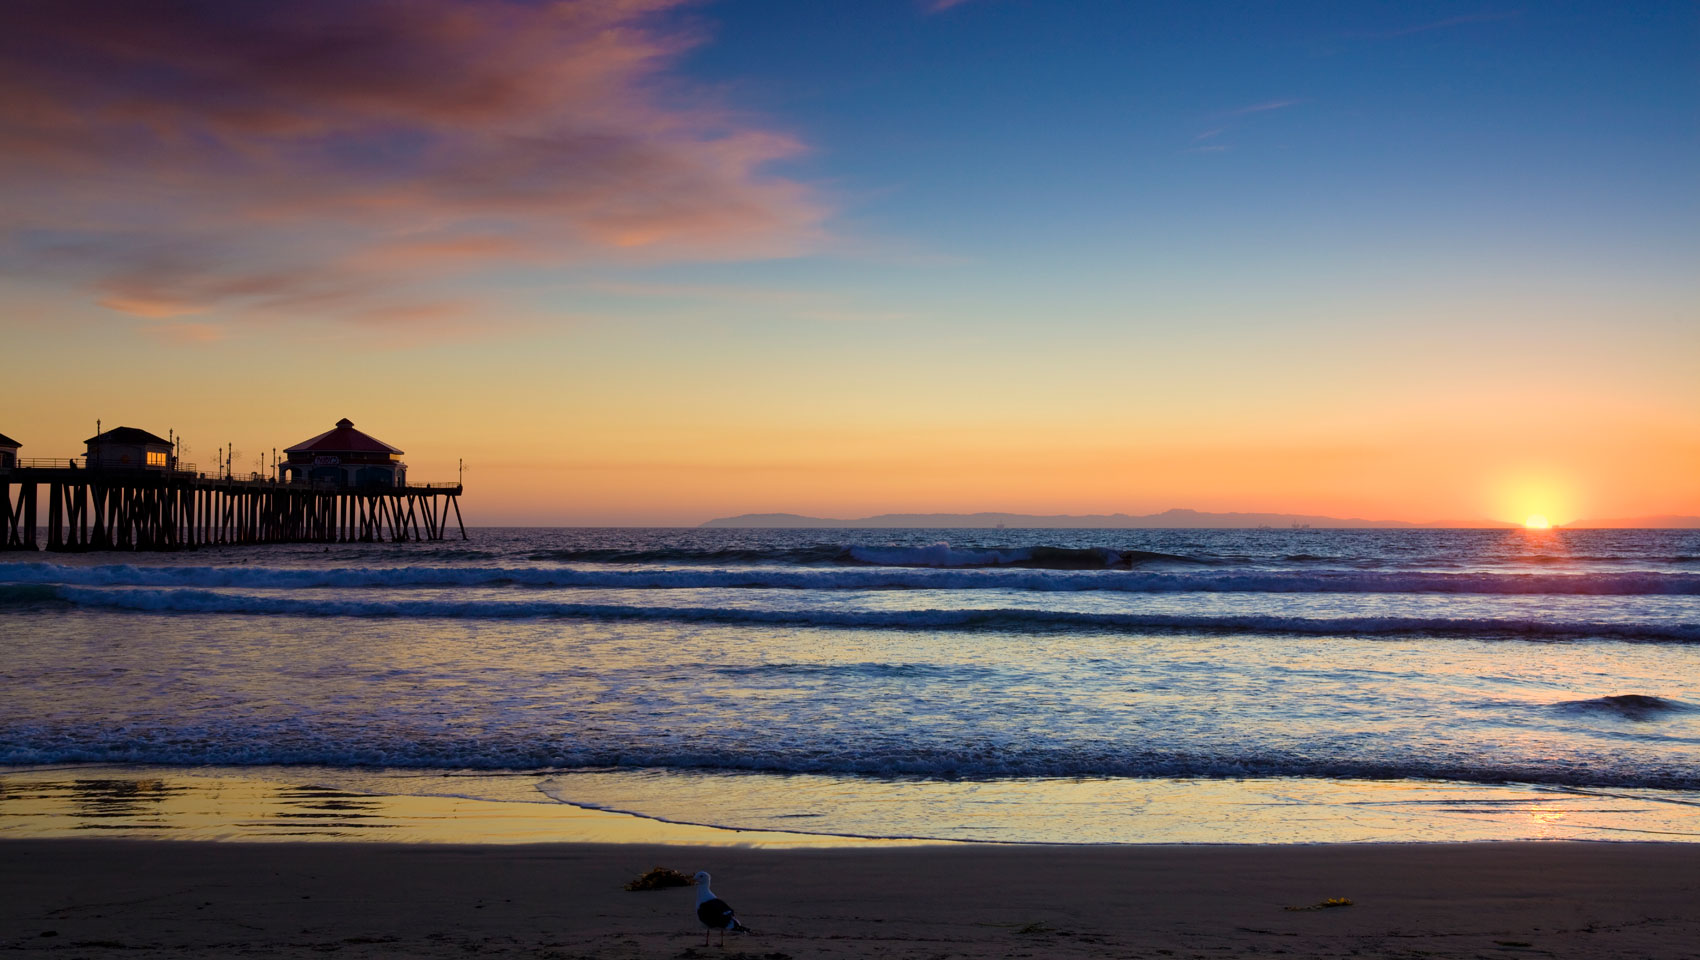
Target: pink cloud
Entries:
(177, 157)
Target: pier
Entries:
(130, 493)
(100, 509)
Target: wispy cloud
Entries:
(939, 6)
(1447, 23)
(334, 157)
(1263, 107)
(1230, 120)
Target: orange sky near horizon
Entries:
(567, 435)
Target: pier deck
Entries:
(136, 509)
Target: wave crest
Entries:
(1628, 706)
(1012, 576)
(995, 618)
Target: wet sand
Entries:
(137, 898)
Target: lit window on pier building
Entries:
(127, 448)
(345, 457)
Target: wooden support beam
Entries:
(29, 516)
(11, 518)
(55, 516)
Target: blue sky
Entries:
(1055, 132)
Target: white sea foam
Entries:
(1013, 618)
(259, 745)
(1122, 581)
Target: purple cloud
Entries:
(180, 157)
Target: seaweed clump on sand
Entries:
(1324, 905)
(659, 878)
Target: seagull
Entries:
(715, 913)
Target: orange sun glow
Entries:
(1537, 521)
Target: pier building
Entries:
(345, 457)
(8, 452)
(129, 448)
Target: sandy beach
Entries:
(111, 898)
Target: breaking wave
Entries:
(1006, 577)
(1628, 706)
(1040, 558)
(935, 555)
(1022, 619)
(816, 554)
(261, 745)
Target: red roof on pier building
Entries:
(343, 439)
(133, 435)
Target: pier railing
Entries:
(82, 463)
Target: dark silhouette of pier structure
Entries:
(130, 493)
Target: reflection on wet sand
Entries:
(236, 805)
(312, 810)
(636, 806)
(93, 803)
(136, 802)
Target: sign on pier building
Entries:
(345, 457)
(128, 448)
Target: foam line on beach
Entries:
(262, 745)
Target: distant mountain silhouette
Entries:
(1168, 519)
(1662, 522)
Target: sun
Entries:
(1537, 521)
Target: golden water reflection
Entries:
(294, 804)
(233, 805)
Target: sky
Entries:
(652, 262)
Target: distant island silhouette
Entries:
(1177, 519)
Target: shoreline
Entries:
(314, 804)
(135, 898)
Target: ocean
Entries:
(1090, 686)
